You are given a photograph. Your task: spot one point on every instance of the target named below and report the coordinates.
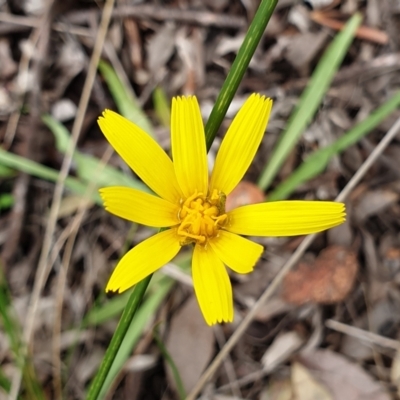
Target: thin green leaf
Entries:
(6, 172)
(6, 201)
(87, 165)
(113, 307)
(310, 99)
(40, 171)
(177, 377)
(13, 331)
(104, 312)
(5, 383)
(161, 107)
(317, 162)
(127, 105)
(158, 290)
(119, 336)
(138, 324)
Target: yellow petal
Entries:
(142, 153)
(236, 252)
(189, 146)
(212, 286)
(143, 260)
(137, 206)
(285, 218)
(240, 143)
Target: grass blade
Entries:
(88, 166)
(13, 331)
(177, 377)
(310, 99)
(118, 338)
(162, 107)
(317, 162)
(30, 167)
(138, 324)
(126, 104)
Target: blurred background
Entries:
(331, 330)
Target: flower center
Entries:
(201, 217)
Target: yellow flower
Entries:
(192, 204)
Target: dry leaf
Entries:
(328, 279)
(344, 379)
(161, 47)
(281, 349)
(305, 387)
(395, 371)
(190, 343)
(373, 202)
(303, 48)
(244, 193)
(277, 389)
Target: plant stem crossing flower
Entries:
(192, 204)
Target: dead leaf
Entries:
(244, 193)
(281, 349)
(382, 318)
(277, 389)
(327, 280)
(190, 343)
(70, 204)
(303, 48)
(373, 202)
(344, 379)
(306, 387)
(161, 47)
(395, 372)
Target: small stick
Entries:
(362, 334)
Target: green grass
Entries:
(316, 163)
(310, 100)
(13, 331)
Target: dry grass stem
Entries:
(363, 335)
(43, 265)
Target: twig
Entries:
(73, 229)
(41, 39)
(362, 334)
(363, 32)
(43, 267)
(163, 14)
(136, 11)
(15, 23)
(228, 364)
(269, 291)
(176, 273)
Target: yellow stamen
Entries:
(201, 217)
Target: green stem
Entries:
(127, 315)
(239, 67)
